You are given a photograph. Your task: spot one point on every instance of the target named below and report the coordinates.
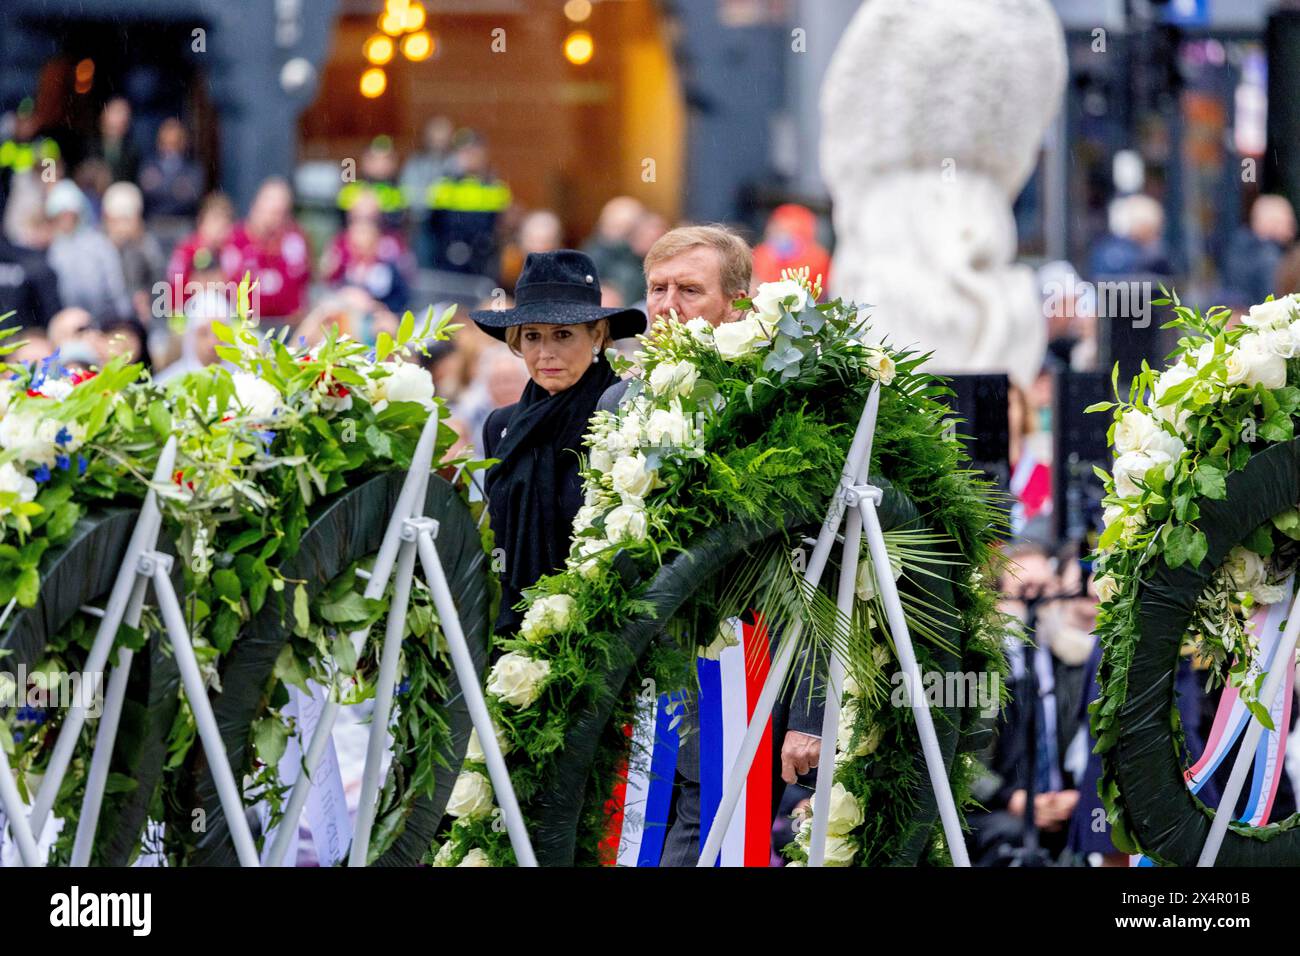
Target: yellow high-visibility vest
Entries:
(468, 194)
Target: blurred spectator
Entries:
(28, 286)
(125, 337)
(420, 172)
(377, 176)
(540, 231)
(790, 242)
(201, 251)
(113, 144)
(68, 325)
(24, 157)
(86, 262)
(1069, 305)
(93, 177)
(650, 228)
(1256, 250)
(610, 248)
(446, 365)
(365, 256)
(199, 342)
(142, 258)
(353, 312)
(271, 248)
(499, 378)
(170, 180)
(464, 205)
(1135, 243)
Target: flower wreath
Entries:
(732, 439)
(1201, 529)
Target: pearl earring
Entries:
(595, 351)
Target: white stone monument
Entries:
(933, 112)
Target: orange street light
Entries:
(418, 46)
(373, 82)
(579, 47)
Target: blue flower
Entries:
(63, 462)
(267, 437)
(81, 465)
(18, 736)
(63, 437)
(403, 687)
(302, 341)
(41, 475)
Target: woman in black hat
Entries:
(561, 331)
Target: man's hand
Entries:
(799, 754)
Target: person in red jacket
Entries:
(790, 242)
(200, 252)
(270, 247)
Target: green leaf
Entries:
(290, 669)
(160, 420)
(344, 654)
(28, 587)
(301, 612)
(351, 608)
(270, 737)
(383, 346)
(1210, 481)
(1260, 540)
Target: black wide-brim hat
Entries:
(559, 288)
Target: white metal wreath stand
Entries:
(409, 534)
(1283, 657)
(142, 565)
(859, 500)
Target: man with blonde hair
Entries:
(699, 271)
(690, 272)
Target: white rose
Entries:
(475, 857)
(471, 797)
(1261, 365)
(845, 812)
(700, 330)
(1172, 413)
(626, 523)
(29, 436)
(1136, 431)
(673, 378)
(13, 480)
(474, 749)
(585, 518)
(517, 680)
(1132, 466)
(445, 853)
(1271, 315)
(879, 365)
(259, 399)
(1107, 588)
(1245, 569)
(587, 565)
(737, 339)
(840, 851)
(1282, 342)
(868, 741)
(407, 382)
(771, 296)
(633, 477)
(668, 426)
(547, 615)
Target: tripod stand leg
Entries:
(834, 691)
(468, 679)
(12, 805)
(1283, 657)
(388, 661)
(106, 736)
(855, 463)
(410, 501)
(224, 778)
(912, 672)
(143, 538)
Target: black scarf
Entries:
(541, 446)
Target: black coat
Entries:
(567, 505)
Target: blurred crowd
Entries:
(131, 251)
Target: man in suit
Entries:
(699, 271)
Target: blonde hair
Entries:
(599, 330)
(735, 258)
